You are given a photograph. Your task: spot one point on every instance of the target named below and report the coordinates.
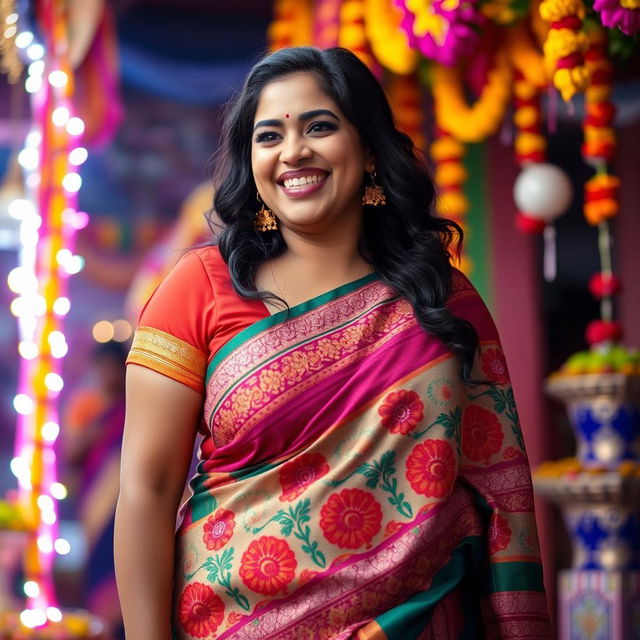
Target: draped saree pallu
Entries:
(352, 487)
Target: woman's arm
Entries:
(160, 428)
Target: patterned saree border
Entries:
(252, 346)
(281, 316)
(168, 355)
(296, 374)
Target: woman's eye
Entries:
(322, 126)
(267, 136)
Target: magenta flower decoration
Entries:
(623, 14)
(442, 30)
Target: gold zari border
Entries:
(169, 356)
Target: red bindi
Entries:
(286, 115)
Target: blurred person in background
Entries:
(93, 427)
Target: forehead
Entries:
(294, 93)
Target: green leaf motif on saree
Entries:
(294, 520)
(450, 421)
(504, 403)
(218, 570)
(381, 472)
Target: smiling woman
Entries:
(359, 460)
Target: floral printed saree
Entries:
(352, 487)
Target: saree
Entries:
(351, 486)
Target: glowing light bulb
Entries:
(59, 349)
(36, 68)
(75, 126)
(54, 614)
(24, 39)
(78, 156)
(74, 265)
(45, 544)
(31, 589)
(23, 404)
(62, 546)
(121, 330)
(72, 182)
(45, 503)
(33, 84)
(63, 256)
(33, 139)
(18, 308)
(58, 490)
(35, 51)
(10, 31)
(21, 209)
(29, 158)
(60, 116)
(61, 307)
(50, 431)
(58, 78)
(53, 382)
(49, 517)
(32, 180)
(19, 467)
(12, 18)
(102, 331)
(28, 350)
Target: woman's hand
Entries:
(160, 427)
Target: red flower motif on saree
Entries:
(298, 474)
(494, 366)
(350, 518)
(481, 433)
(200, 610)
(499, 534)
(401, 411)
(218, 529)
(268, 565)
(431, 468)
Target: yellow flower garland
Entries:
(565, 42)
(388, 41)
(292, 25)
(477, 122)
(351, 32)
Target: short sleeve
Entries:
(176, 323)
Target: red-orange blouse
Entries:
(193, 312)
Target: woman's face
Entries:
(307, 158)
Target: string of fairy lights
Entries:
(49, 220)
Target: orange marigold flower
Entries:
(268, 565)
(218, 529)
(200, 610)
(401, 411)
(301, 472)
(350, 518)
(481, 433)
(431, 468)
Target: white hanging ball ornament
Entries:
(542, 191)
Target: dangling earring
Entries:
(374, 193)
(265, 220)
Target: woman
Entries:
(362, 470)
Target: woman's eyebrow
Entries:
(307, 115)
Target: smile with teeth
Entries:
(303, 181)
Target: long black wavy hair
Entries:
(407, 245)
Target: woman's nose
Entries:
(295, 148)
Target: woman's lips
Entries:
(303, 190)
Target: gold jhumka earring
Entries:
(374, 193)
(265, 220)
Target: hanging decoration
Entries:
(388, 41)
(326, 20)
(352, 35)
(565, 45)
(621, 14)
(405, 96)
(292, 24)
(10, 62)
(442, 30)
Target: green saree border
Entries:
(286, 314)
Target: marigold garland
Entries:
(292, 24)
(388, 41)
(477, 122)
(351, 33)
(565, 45)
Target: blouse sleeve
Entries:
(174, 327)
